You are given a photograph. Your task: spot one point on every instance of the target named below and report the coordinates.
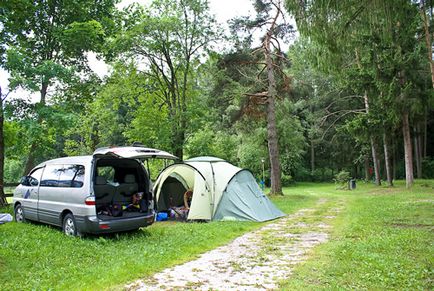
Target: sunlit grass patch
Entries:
(383, 240)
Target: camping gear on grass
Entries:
(5, 217)
(221, 191)
(161, 216)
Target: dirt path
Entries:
(254, 261)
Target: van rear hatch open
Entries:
(131, 152)
(119, 175)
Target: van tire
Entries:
(69, 226)
(19, 214)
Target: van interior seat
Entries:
(126, 190)
(104, 192)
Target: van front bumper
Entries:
(92, 224)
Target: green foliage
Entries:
(201, 143)
(207, 142)
(252, 150)
(345, 50)
(291, 140)
(428, 168)
(341, 179)
(322, 174)
(287, 180)
(375, 52)
(80, 37)
(13, 170)
(150, 124)
(122, 112)
(45, 41)
(171, 36)
(34, 123)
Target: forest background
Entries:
(351, 94)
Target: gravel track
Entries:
(254, 261)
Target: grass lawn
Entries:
(381, 240)
(35, 256)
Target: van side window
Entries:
(33, 178)
(71, 176)
(50, 178)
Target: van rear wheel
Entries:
(19, 214)
(69, 225)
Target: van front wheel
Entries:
(69, 226)
(19, 214)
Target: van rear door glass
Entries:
(71, 176)
(50, 177)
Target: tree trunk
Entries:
(393, 159)
(179, 143)
(425, 132)
(177, 134)
(387, 160)
(3, 201)
(312, 157)
(417, 153)
(409, 179)
(94, 137)
(367, 175)
(428, 41)
(373, 147)
(376, 162)
(30, 159)
(273, 144)
(420, 149)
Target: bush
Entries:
(341, 179)
(287, 180)
(303, 174)
(428, 168)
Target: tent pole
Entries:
(213, 190)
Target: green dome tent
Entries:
(221, 191)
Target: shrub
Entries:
(341, 179)
(287, 180)
(428, 168)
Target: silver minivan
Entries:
(89, 194)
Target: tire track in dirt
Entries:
(255, 261)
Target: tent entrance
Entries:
(172, 193)
(173, 182)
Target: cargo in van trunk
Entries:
(121, 188)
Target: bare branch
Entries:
(257, 50)
(4, 96)
(259, 94)
(358, 111)
(343, 98)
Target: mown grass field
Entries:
(35, 256)
(383, 239)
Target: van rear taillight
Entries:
(104, 226)
(90, 200)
